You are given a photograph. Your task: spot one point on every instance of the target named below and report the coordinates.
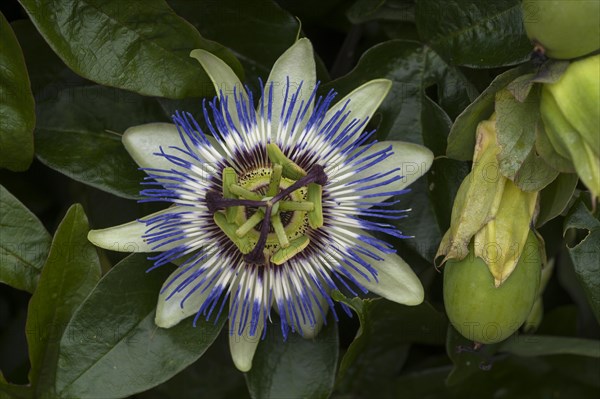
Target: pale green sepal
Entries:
(128, 237)
(224, 80)
(169, 312)
(297, 64)
(243, 347)
(222, 76)
(395, 281)
(414, 161)
(142, 141)
(362, 103)
(308, 330)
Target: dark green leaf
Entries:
(70, 273)
(461, 140)
(467, 358)
(474, 33)
(138, 46)
(422, 222)
(436, 126)
(585, 254)
(17, 107)
(516, 123)
(515, 130)
(444, 177)
(507, 377)
(47, 72)
(12, 391)
(368, 10)
(24, 243)
(540, 345)
(257, 31)
(79, 134)
(386, 331)
(112, 348)
(412, 68)
(555, 197)
(297, 367)
(202, 378)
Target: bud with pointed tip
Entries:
(570, 111)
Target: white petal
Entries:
(362, 103)
(143, 141)
(298, 64)
(170, 312)
(221, 75)
(128, 237)
(413, 161)
(244, 346)
(310, 331)
(223, 78)
(396, 280)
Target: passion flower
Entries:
(270, 207)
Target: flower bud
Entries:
(491, 210)
(570, 111)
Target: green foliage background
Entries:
(78, 322)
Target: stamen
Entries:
(284, 254)
(285, 205)
(315, 216)
(229, 178)
(250, 223)
(280, 231)
(229, 229)
(315, 175)
(244, 193)
(275, 180)
(291, 170)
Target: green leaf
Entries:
(422, 222)
(412, 68)
(24, 244)
(516, 123)
(386, 331)
(256, 31)
(138, 46)
(17, 107)
(79, 134)
(444, 178)
(585, 253)
(13, 391)
(539, 345)
(369, 10)
(467, 359)
(296, 367)
(70, 273)
(555, 197)
(474, 33)
(112, 348)
(198, 380)
(461, 140)
(47, 72)
(436, 126)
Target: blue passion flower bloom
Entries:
(272, 208)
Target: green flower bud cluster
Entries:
(570, 110)
(489, 211)
(493, 258)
